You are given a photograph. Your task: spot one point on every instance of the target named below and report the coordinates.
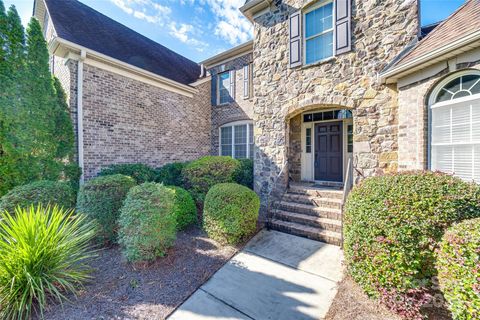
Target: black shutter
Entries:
(214, 89)
(295, 32)
(343, 28)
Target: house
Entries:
(327, 93)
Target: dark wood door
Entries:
(329, 151)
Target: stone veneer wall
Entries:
(240, 109)
(381, 29)
(413, 115)
(128, 121)
(295, 149)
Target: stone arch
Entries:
(319, 102)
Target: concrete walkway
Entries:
(277, 276)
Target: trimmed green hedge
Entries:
(44, 192)
(244, 173)
(184, 208)
(171, 174)
(147, 222)
(231, 212)
(101, 198)
(200, 175)
(393, 223)
(458, 265)
(138, 171)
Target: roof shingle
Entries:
(461, 23)
(84, 26)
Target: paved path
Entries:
(277, 276)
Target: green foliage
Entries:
(393, 224)
(44, 253)
(147, 222)
(39, 192)
(138, 171)
(171, 174)
(244, 173)
(184, 208)
(36, 134)
(200, 175)
(458, 265)
(231, 212)
(101, 199)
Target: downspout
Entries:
(83, 55)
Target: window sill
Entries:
(316, 64)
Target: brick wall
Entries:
(240, 109)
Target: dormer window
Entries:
(318, 32)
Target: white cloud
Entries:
(147, 10)
(231, 24)
(183, 33)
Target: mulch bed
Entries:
(121, 290)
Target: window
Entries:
(327, 115)
(237, 141)
(308, 140)
(318, 33)
(226, 87)
(455, 127)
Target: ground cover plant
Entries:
(230, 213)
(458, 265)
(147, 222)
(44, 253)
(39, 192)
(101, 199)
(392, 226)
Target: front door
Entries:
(328, 151)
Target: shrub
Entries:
(138, 171)
(231, 213)
(44, 254)
(458, 266)
(44, 192)
(244, 173)
(393, 223)
(147, 222)
(200, 175)
(171, 174)
(184, 208)
(101, 199)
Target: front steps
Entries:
(310, 211)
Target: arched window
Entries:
(455, 126)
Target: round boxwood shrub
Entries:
(200, 175)
(171, 174)
(231, 212)
(39, 192)
(458, 265)
(147, 222)
(138, 171)
(101, 199)
(244, 173)
(393, 224)
(184, 208)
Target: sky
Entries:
(199, 29)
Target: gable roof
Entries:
(461, 23)
(82, 25)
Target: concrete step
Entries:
(305, 219)
(309, 232)
(308, 209)
(333, 203)
(330, 193)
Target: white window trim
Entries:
(233, 124)
(304, 30)
(432, 105)
(246, 81)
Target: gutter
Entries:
(254, 6)
(429, 57)
(56, 42)
(83, 56)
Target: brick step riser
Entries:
(316, 193)
(314, 201)
(306, 234)
(316, 224)
(311, 212)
